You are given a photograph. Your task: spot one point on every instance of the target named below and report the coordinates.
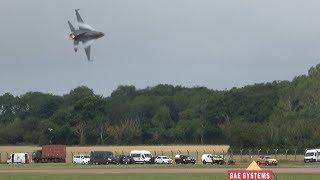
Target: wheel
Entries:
(258, 162)
(267, 163)
(204, 162)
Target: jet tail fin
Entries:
(79, 18)
(71, 27)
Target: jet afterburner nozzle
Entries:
(72, 36)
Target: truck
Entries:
(19, 158)
(312, 155)
(55, 153)
(213, 159)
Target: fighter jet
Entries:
(85, 34)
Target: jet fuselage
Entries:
(85, 35)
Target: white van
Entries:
(312, 155)
(81, 159)
(206, 158)
(19, 158)
(141, 156)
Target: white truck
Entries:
(212, 159)
(312, 155)
(141, 156)
(19, 158)
(207, 158)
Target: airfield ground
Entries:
(141, 176)
(141, 172)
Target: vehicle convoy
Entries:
(50, 153)
(163, 160)
(142, 156)
(267, 160)
(101, 157)
(312, 155)
(81, 159)
(184, 159)
(19, 158)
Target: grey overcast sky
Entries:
(214, 43)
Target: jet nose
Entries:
(102, 34)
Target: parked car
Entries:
(184, 159)
(312, 155)
(19, 158)
(101, 157)
(141, 156)
(124, 159)
(81, 159)
(267, 160)
(163, 160)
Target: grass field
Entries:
(143, 176)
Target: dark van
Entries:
(101, 157)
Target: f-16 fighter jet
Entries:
(85, 34)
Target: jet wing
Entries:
(87, 47)
(81, 24)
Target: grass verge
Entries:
(143, 176)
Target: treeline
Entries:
(281, 114)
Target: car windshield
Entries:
(310, 154)
(87, 156)
(147, 155)
(165, 157)
(135, 155)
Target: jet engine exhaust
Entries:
(72, 36)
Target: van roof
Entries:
(19, 153)
(313, 150)
(140, 151)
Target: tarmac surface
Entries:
(302, 170)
